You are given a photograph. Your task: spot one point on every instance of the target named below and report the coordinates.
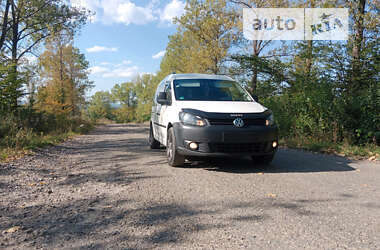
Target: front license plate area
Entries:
(236, 137)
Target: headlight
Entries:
(270, 120)
(190, 119)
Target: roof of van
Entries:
(199, 76)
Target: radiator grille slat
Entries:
(247, 122)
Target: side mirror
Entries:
(256, 98)
(162, 99)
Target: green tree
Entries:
(145, 88)
(4, 21)
(64, 72)
(256, 48)
(100, 106)
(26, 25)
(125, 94)
(204, 36)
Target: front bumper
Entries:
(225, 140)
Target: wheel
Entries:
(263, 159)
(174, 158)
(153, 143)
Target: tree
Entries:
(27, 23)
(354, 66)
(145, 87)
(100, 106)
(204, 36)
(4, 23)
(64, 71)
(257, 46)
(124, 94)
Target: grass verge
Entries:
(368, 151)
(31, 141)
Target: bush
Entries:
(124, 114)
(28, 128)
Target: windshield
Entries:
(209, 90)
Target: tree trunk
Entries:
(309, 58)
(254, 79)
(215, 68)
(256, 53)
(357, 47)
(14, 67)
(309, 49)
(61, 74)
(4, 24)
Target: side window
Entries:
(160, 88)
(168, 91)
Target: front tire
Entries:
(174, 158)
(153, 143)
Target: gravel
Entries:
(108, 190)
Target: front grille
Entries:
(247, 122)
(257, 147)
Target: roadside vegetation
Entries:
(42, 101)
(325, 94)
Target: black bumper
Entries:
(225, 140)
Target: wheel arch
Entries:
(170, 125)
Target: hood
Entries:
(222, 107)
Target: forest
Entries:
(325, 95)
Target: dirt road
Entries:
(109, 190)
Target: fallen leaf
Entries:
(42, 183)
(372, 158)
(272, 195)
(32, 184)
(12, 230)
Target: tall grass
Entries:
(28, 130)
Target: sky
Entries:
(125, 37)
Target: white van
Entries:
(198, 115)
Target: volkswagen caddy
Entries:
(199, 115)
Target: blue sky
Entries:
(125, 37)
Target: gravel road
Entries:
(108, 190)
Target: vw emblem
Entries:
(238, 122)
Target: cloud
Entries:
(115, 70)
(173, 9)
(91, 5)
(96, 49)
(98, 70)
(88, 4)
(122, 72)
(159, 54)
(117, 11)
(125, 62)
(127, 12)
